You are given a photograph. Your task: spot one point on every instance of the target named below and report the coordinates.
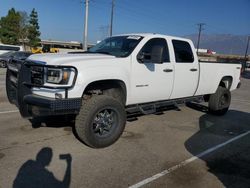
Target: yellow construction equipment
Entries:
(36, 50)
(44, 49)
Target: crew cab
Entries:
(122, 75)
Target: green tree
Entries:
(33, 29)
(10, 27)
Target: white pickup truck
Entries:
(120, 76)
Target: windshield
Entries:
(119, 46)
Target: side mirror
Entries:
(157, 54)
(144, 57)
(140, 57)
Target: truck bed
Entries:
(211, 73)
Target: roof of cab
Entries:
(153, 34)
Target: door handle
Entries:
(193, 69)
(167, 70)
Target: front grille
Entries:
(12, 80)
(14, 67)
(37, 75)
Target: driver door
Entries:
(152, 81)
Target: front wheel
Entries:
(101, 121)
(219, 102)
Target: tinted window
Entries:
(16, 55)
(151, 45)
(21, 55)
(183, 52)
(9, 48)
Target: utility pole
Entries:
(199, 36)
(111, 20)
(248, 39)
(245, 63)
(85, 35)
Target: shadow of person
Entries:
(231, 163)
(33, 173)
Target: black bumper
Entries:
(43, 106)
(19, 91)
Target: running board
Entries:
(153, 107)
(147, 109)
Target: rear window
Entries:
(183, 52)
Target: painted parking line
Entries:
(8, 112)
(184, 163)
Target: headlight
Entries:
(58, 75)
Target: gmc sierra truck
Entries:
(122, 75)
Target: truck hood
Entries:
(63, 59)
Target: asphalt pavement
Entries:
(180, 148)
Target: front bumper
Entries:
(44, 106)
(19, 91)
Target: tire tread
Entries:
(86, 111)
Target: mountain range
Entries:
(222, 43)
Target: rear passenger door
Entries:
(186, 65)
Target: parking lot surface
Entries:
(180, 148)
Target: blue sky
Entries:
(63, 19)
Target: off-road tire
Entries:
(84, 124)
(219, 102)
(115, 93)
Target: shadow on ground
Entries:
(231, 163)
(33, 173)
(53, 121)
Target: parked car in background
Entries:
(248, 64)
(5, 58)
(4, 48)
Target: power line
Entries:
(135, 15)
(129, 13)
(104, 30)
(199, 36)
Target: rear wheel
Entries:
(219, 102)
(101, 121)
